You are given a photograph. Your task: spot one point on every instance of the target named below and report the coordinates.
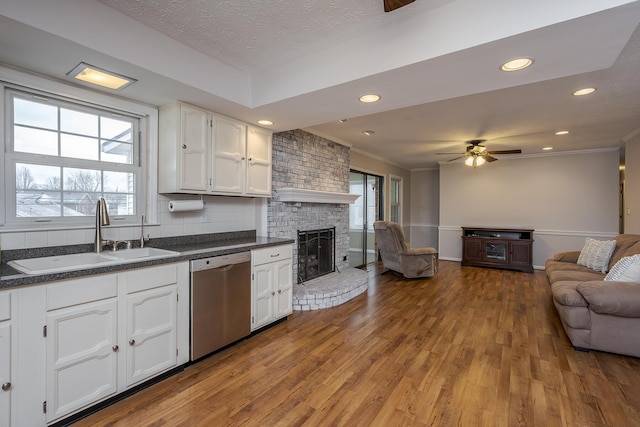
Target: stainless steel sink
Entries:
(82, 261)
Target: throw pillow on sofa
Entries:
(596, 254)
(625, 270)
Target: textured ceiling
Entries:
(250, 35)
(303, 64)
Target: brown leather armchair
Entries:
(399, 257)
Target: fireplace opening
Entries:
(316, 253)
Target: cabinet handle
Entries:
(275, 255)
(273, 293)
(115, 348)
(242, 158)
(6, 386)
(250, 159)
(279, 291)
(132, 342)
(184, 145)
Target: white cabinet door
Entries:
(283, 272)
(151, 333)
(259, 145)
(194, 148)
(229, 145)
(5, 373)
(263, 295)
(81, 356)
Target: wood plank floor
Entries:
(469, 347)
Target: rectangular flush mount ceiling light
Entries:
(97, 76)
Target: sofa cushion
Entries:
(596, 254)
(613, 298)
(565, 293)
(626, 244)
(625, 270)
(574, 275)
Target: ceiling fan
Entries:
(390, 5)
(477, 154)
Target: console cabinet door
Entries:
(472, 250)
(5, 373)
(521, 253)
(151, 333)
(81, 356)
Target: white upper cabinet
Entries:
(259, 145)
(185, 135)
(229, 156)
(205, 153)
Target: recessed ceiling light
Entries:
(562, 132)
(585, 91)
(547, 148)
(265, 122)
(97, 76)
(370, 98)
(516, 64)
(368, 132)
(343, 120)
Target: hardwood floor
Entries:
(469, 347)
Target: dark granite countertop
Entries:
(188, 247)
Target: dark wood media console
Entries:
(506, 248)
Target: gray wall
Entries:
(631, 186)
(563, 197)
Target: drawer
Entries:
(151, 277)
(80, 291)
(272, 254)
(5, 306)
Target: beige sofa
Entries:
(597, 314)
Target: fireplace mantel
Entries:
(314, 196)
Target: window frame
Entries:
(399, 180)
(145, 152)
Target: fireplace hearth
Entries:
(316, 253)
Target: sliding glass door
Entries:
(367, 209)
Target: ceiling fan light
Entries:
(469, 161)
(479, 161)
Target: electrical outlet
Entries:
(205, 217)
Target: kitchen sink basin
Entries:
(52, 264)
(142, 253)
(55, 264)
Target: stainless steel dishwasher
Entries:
(220, 302)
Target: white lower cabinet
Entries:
(98, 336)
(151, 333)
(272, 284)
(81, 356)
(5, 359)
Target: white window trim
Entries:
(400, 198)
(148, 141)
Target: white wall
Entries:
(563, 197)
(632, 183)
(425, 203)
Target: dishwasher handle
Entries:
(221, 261)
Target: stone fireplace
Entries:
(310, 180)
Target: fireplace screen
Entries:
(316, 249)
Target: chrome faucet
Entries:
(142, 239)
(102, 218)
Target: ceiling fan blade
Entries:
(390, 5)
(454, 159)
(505, 152)
(489, 158)
(448, 154)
